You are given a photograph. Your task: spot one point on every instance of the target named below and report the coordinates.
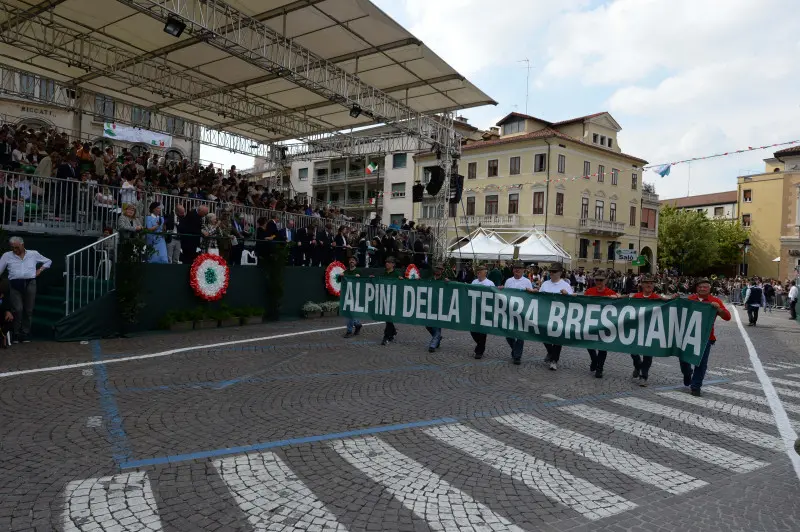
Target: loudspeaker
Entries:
(437, 180)
(456, 187)
(417, 192)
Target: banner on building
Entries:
(677, 327)
(131, 134)
(626, 254)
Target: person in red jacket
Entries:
(598, 358)
(642, 363)
(694, 379)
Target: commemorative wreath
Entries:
(333, 278)
(412, 272)
(209, 277)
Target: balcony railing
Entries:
(649, 197)
(399, 194)
(647, 232)
(353, 176)
(489, 220)
(602, 227)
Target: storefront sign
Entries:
(626, 254)
(37, 111)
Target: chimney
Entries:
(494, 130)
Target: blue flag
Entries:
(663, 170)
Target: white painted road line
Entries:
(733, 394)
(730, 430)
(271, 495)
(755, 386)
(788, 433)
(794, 375)
(584, 497)
(683, 444)
(731, 370)
(721, 406)
(782, 366)
(785, 382)
(94, 421)
(422, 491)
(171, 352)
(121, 502)
(630, 464)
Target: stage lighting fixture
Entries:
(355, 111)
(174, 26)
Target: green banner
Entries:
(677, 327)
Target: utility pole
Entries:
(527, 80)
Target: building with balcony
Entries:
(717, 205)
(376, 183)
(569, 179)
(769, 206)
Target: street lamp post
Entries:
(745, 247)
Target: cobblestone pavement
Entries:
(282, 428)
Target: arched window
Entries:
(103, 143)
(173, 155)
(35, 124)
(138, 149)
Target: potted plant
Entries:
(251, 315)
(225, 317)
(311, 310)
(182, 321)
(203, 320)
(330, 308)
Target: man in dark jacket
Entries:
(306, 244)
(325, 245)
(190, 229)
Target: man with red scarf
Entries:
(642, 363)
(599, 289)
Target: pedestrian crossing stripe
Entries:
(420, 490)
(783, 366)
(584, 497)
(271, 495)
(671, 440)
(730, 430)
(756, 386)
(725, 371)
(794, 384)
(720, 406)
(733, 394)
(794, 375)
(629, 464)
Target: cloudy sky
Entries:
(684, 78)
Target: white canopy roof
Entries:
(482, 245)
(537, 247)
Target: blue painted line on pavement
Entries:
(269, 347)
(281, 443)
(120, 445)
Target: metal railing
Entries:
(602, 226)
(89, 272)
(495, 220)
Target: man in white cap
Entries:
(517, 282)
(555, 285)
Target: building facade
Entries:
(569, 179)
(376, 183)
(769, 206)
(722, 205)
(87, 127)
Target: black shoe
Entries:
(478, 355)
(687, 379)
(696, 392)
(386, 341)
(348, 335)
(599, 373)
(431, 350)
(517, 361)
(592, 367)
(358, 330)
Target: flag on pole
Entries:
(372, 168)
(639, 261)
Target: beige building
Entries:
(769, 205)
(569, 179)
(717, 205)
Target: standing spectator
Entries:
(128, 222)
(306, 240)
(190, 230)
(793, 301)
(694, 378)
(154, 223)
(340, 244)
(23, 269)
(325, 246)
(288, 235)
(172, 223)
(211, 234)
(238, 234)
(754, 299)
(262, 243)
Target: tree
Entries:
(686, 241)
(729, 235)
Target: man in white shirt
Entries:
(554, 285)
(480, 338)
(23, 270)
(518, 282)
(793, 301)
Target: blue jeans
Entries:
(516, 346)
(699, 371)
(351, 324)
(436, 336)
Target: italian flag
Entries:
(372, 168)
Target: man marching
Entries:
(389, 331)
(642, 363)
(554, 285)
(480, 338)
(353, 325)
(517, 282)
(598, 358)
(694, 379)
(436, 332)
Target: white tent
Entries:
(482, 245)
(537, 247)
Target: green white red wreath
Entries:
(412, 272)
(333, 278)
(209, 277)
